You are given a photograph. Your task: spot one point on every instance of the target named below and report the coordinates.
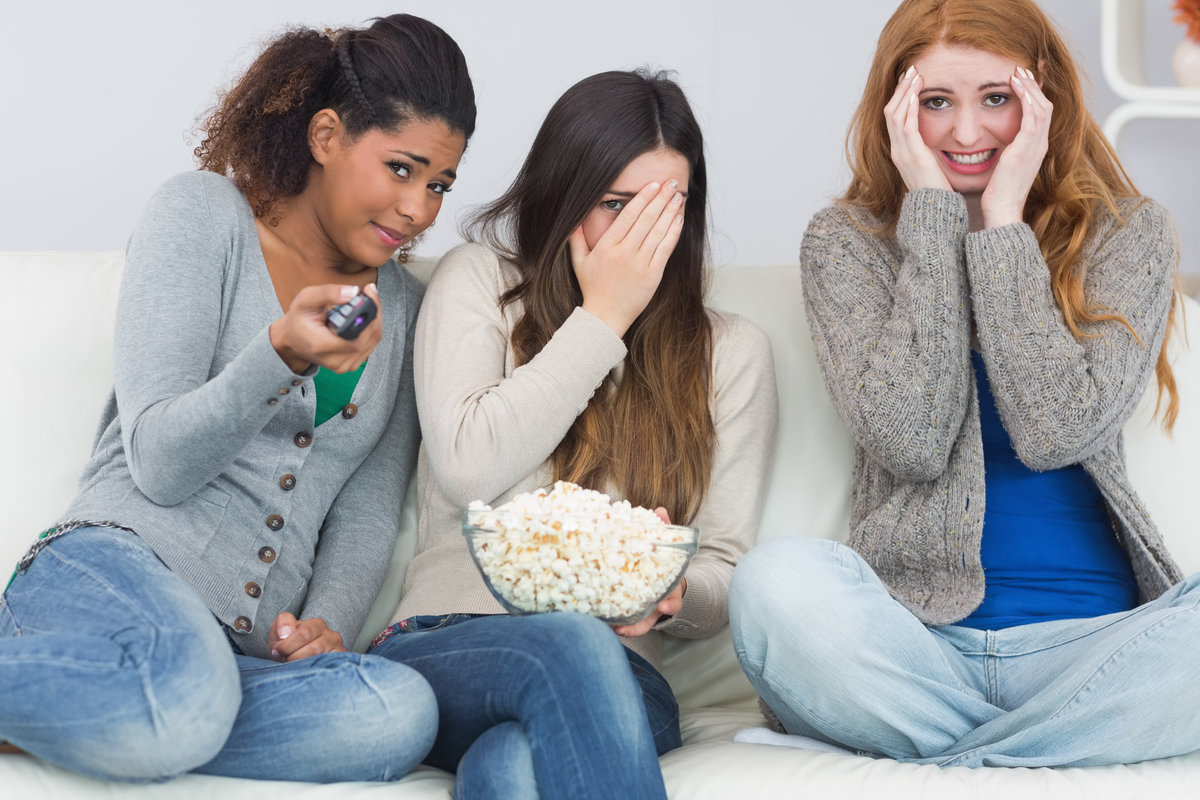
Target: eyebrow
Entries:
(449, 173)
(631, 195)
(982, 88)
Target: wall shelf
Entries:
(1122, 43)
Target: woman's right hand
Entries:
(301, 337)
(619, 276)
(916, 163)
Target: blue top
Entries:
(1048, 550)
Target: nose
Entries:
(413, 202)
(967, 127)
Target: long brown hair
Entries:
(399, 69)
(652, 435)
(1080, 174)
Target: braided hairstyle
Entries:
(399, 69)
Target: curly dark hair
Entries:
(400, 68)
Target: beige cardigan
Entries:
(489, 429)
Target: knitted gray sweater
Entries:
(891, 320)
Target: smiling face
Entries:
(969, 112)
(381, 189)
(660, 165)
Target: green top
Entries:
(334, 391)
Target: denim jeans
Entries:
(111, 666)
(838, 659)
(542, 706)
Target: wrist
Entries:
(294, 361)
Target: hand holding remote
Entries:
(304, 336)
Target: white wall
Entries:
(101, 100)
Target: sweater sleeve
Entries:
(745, 413)
(892, 335)
(485, 429)
(1063, 399)
(181, 425)
(355, 547)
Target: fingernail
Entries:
(679, 220)
(676, 198)
(285, 632)
(654, 186)
(275, 654)
(911, 70)
(674, 184)
(348, 292)
(372, 286)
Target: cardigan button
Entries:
(350, 411)
(296, 381)
(266, 554)
(303, 439)
(273, 401)
(253, 589)
(274, 522)
(243, 625)
(284, 390)
(287, 482)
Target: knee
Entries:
(498, 764)
(183, 702)
(785, 585)
(383, 716)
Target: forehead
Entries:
(657, 165)
(956, 64)
(430, 139)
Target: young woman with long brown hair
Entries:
(235, 519)
(577, 346)
(988, 300)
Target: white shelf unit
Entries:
(1122, 43)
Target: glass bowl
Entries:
(537, 563)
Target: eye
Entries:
(437, 187)
(935, 103)
(612, 205)
(995, 100)
(400, 168)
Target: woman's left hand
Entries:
(1003, 201)
(671, 604)
(292, 640)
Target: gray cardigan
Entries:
(891, 320)
(206, 447)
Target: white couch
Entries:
(57, 324)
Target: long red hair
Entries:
(1080, 175)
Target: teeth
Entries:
(974, 158)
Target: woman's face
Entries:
(660, 165)
(969, 112)
(382, 189)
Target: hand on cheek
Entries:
(917, 164)
(1003, 201)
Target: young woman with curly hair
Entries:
(238, 512)
(988, 301)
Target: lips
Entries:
(970, 163)
(389, 237)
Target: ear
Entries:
(324, 134)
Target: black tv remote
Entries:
(348, 319)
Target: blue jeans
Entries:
(838, 659)
(541, 706)
(111, 666)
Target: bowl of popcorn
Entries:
(570, 549)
